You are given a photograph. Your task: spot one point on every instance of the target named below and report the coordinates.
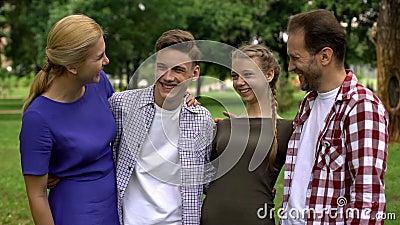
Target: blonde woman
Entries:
(67, 128)
(253, 145)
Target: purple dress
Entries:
(72, 142)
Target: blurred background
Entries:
(133, 26)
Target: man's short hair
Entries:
(321, 29)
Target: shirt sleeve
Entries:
(209, 169)
(367, 144)
(35, 144)
(116, 109)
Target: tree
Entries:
(28, 34)
(357, 18)
(243, 21)
(133, 26)
(387, 47)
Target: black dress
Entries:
(241, 192)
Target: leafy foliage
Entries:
(132, 26)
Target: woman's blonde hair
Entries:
(68, 43)
(266, 60)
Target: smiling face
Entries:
(303, 63)
(248, 80)
(174, 70)
(89, 71)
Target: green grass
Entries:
(392, 181)
(14, 208)
(17, 92)
(217, 102)
(11, 104)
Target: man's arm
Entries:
(209, 169)
(117, 114)
(367, 143)
(52, 181)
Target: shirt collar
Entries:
(344, 92)
(349, 84)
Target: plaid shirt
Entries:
(347, 181)
(134, 111)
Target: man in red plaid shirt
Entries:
(336, 158)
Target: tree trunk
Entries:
(387, 50)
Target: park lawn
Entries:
(11, 104)
(16, 93)
(392, 182)
(14, 208)
(217, 102)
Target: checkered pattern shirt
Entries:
(350, 158)
(134, 111)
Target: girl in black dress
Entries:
(249, 150)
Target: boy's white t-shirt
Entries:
(153, 193)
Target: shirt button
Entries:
(326, 144)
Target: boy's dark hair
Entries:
(180, 40)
